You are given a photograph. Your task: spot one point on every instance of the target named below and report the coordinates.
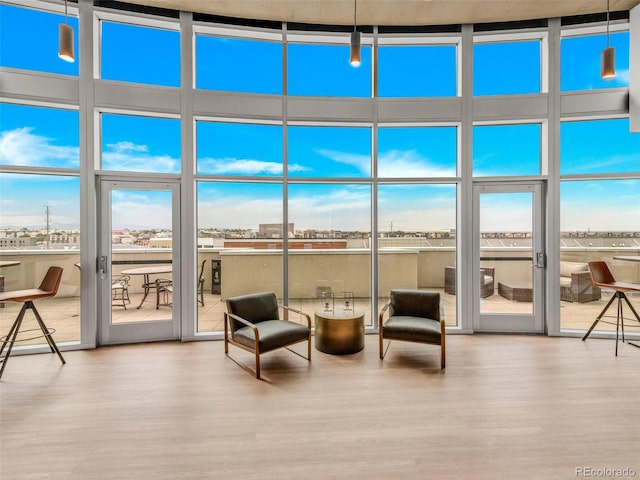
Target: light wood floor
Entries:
(506, 407)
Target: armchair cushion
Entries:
(272, 333)
(414, 303)
(255, 308)
(412, 329)
(567, 268)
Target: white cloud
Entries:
(138, 211)
(242, 166)
(122, 147)
(409, 163)
(393, 163)
(129, 156)
(361, 162)
(589, 165)
(232, 211)
(23, 147)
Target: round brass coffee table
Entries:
(339, 333)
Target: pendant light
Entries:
(65, 38)
(608, 57)
(354, 57)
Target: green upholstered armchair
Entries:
(252, 322)
(413, 316)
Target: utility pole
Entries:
(47, 211)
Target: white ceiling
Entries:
(392, 12)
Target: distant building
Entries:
(160, 242)
(273, 230)
(266, 244)
(15, 242)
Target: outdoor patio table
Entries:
(628, 258)
(6, 263)
(146, 272)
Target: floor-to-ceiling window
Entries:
(600, 176)
(599, 213)
(297, 164)
(40, 214)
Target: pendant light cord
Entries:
(66, 16)
(355, 11)
(607, 23)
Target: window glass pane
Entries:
(506, 150)
(324, 70)
(248, 65)
(140, 144)
(599, 220)
(506, 68)
(329, 152)
(40, 227)
(39, 137)
(240, 231)
(330, 250)
(599, 146)
(133, 53)
(239, 149)
(408, 71)
(580, 62)
(29, 40)
(417, 240)
(417, 152)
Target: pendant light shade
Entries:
(608, 57)
(65, 42)
(354, 58)
(608, 63)
(65, 38)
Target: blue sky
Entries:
(34, 136)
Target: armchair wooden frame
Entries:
(228, 336)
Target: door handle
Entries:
(102, 267)
(540, 260)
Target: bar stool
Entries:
(48, 288)
(602, 277)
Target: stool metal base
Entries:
(10, 339)
(619, 317)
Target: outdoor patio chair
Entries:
(603, 278)
(252, 322)
(201, 283)
(575, 283)
(414, 316)
(164, 292)
(487, 282)
(120, 291)
(48, 288)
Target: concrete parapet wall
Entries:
(310, 271)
